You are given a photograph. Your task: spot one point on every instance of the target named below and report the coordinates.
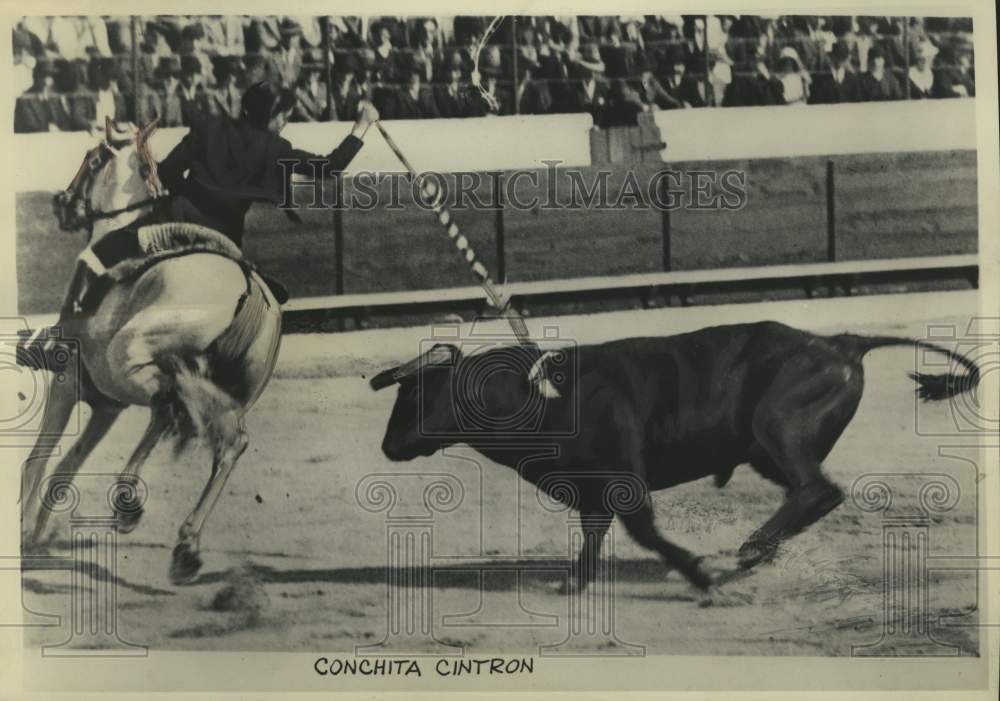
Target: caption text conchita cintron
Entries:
(442, 667)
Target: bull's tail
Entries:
(929, 387)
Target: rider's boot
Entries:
(86, 288)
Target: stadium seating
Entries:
(74, 71)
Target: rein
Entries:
(93, 215)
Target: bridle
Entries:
(73, 208)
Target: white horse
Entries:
(194, 337)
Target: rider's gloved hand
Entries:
(367, 115)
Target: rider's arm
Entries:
(171, 169)
(339, 158)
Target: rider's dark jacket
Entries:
(229, 164)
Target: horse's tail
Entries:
(198, 407)
(929, 387)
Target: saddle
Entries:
(159, 242)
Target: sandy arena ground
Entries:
(311, 562)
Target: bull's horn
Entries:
(109, 129)
(440, 354)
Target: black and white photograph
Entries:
(456, 352)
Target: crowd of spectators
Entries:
(71, 72)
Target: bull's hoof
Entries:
(697, 576)
(754, 552)
(716, 597)
(185, 564)
(128, 520)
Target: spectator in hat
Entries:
(33, 110)
(653, 95)
(72, 108)
(953, 76)
(533, 95)
(554, 55)
(227, 96)
(921, 73)
(191, 92)
(310, 94)
(619, 58)
(452, 98)
(285, 63)
(695, 44)
(426, 57)
(412, 101)
(678, 84)
(385, 58)
(591, 92)
(489, 70)
(878, 83)
(171, 112)
(838, 83)
(346, 93)
(753, 83)
(109, 101)
(794, 78)
(193, 45)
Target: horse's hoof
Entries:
(754, 552)
(185, 564)
(128, 520)
(32, 546)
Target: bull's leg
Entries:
(595, 526)
(159, 423)
(639, 521)
(641, 527)
(101, 420)
(796, 425)
(231, 441)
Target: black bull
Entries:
(664, 410)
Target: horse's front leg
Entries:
(100, 422)
(229, 444)
(59, 404)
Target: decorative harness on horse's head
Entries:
(93, 161)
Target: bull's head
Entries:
(423, 412)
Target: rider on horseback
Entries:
(229, 164)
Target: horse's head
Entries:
(114, 185)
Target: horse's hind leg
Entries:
(230, 440)
(126, 511)
(101, 420)
(796, 424)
